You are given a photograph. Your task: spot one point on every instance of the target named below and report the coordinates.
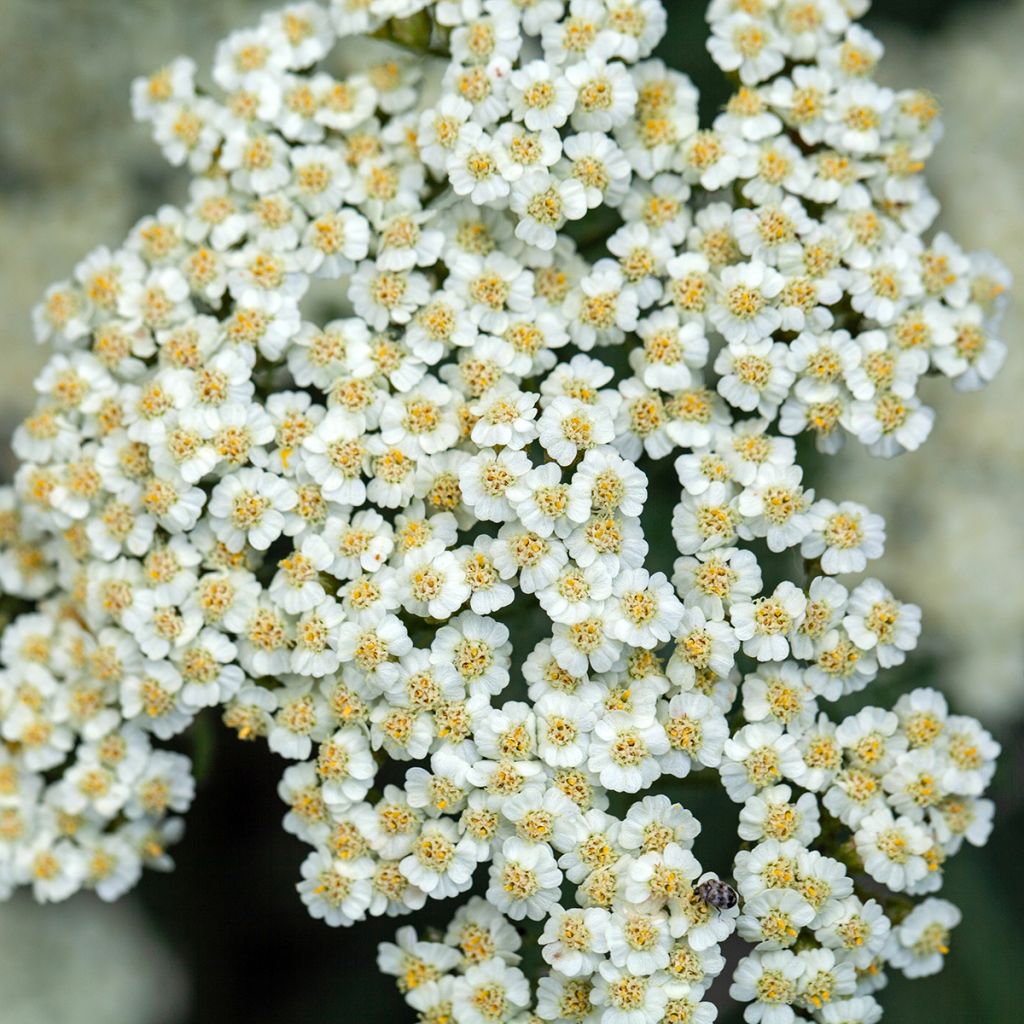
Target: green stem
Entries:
(413, 34)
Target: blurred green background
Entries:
(224, 938)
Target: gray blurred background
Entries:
(225, 938)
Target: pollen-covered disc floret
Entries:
(362, 446)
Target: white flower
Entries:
(627, 997)
(605, 94)
(478, 166)
(696, 731)
(544, 203)
(780, 693)
(415, 960)
(892, 849)
(922, 939)
(504, 416)
(360, 544)
(610, 483)
(714, 579)
(645, 610)
(485, 479)
(536, 559)
(574, 940)
(345, 767)
(764, 624)
(975, 355)
(972, 754)
(564, 724)
(485, 86)
(576, 593)
(742, 312)
(545, 505)
(55, 868)
(707, 521)
(638, 942)
(439, 861)
(701, 646)
(544, 816)
(757, 757)
(248, 507)
(370, 644)
(207, 673)
(473, 650)
(858, 1010)
(822, 880)
(524, 880)
(333, 243)
(488, 590)
(770, 232)
(486, 986)
(858, 929)
(670, 351)
(540, 97)
(164, 784)
(600, 166)
(431, 583)
(857, 116)
(824, 978)
(776, 506)
(843, 536)
(769, 983)
(568, 426)
(383, 296)
(335, 891)
(877, 622)
(771, 814)
(773, 919)
(654, 823)
(603, 308)
(625, 751)
(754, 374)
(884, 288)
(492, 288)
(424, 418)
(482, 934)
(559, 41)
(637, 27)
(174, 81)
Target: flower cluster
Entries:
(641, 937)
(399, 379)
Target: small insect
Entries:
(718, 894)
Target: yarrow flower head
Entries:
(362, 447)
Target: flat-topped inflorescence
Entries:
(451, 281)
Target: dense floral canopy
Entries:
(451, 282)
